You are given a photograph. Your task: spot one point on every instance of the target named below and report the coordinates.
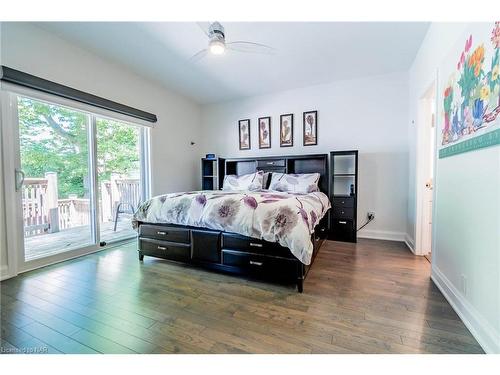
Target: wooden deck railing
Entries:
(44, 213)
(73, 212)
(34, 206)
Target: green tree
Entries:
(56, 139)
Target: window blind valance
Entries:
(17, 77)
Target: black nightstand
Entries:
(344, 195)
(212, 171)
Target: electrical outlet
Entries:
(370, 215)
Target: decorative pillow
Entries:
(252, 181)
(295, 183)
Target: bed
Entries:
(250, 229)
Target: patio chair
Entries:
(129, 208)
(128, 192)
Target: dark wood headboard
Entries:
(317, 163)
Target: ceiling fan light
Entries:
(217, 47)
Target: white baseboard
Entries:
(410, 243)
(480, 328)
(382, 235)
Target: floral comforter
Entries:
(287, 218)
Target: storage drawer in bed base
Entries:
(223, 251)
(163, 249)
(281, 268)
(232, 241)
(162, 233)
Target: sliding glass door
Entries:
(56, 190)
(79, 177)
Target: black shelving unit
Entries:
(212, 171)
(344, 195)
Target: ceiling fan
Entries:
(217, 44)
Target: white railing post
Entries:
(72, 211)
(115, 193)
(52, 201)
(106, 201)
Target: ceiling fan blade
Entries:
(204, 26)
(250, 47)
(198, 56)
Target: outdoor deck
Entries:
(53, 243)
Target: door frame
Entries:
(15, 228)
(13, 221)
(423, 163)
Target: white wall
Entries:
(33, 50)
(467, 207)
(368, 114)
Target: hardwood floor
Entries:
(370, 297)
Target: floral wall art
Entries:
(470, 101)
(244, 134)
(310, 128)
(265, 132)
(286, 130)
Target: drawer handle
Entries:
(343, 202)
(162, 233)
(342, 222)
(270, 163)
(253, 263)
(162, 248)
(255, 244)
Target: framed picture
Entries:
(286, 130)
(244, 132)
(265, 132)
(310, 128)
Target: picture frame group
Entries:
(286, 133)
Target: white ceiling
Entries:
(307, 53)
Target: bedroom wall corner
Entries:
(466, 222)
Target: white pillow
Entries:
(295, 183)
(252, 181)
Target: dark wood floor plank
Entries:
(103, 328)
(115, 319)
(36, 315)
(369, 297)
(14, 317)
(135, 337)
(100, 343)
(57, 340)
(25, 342)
